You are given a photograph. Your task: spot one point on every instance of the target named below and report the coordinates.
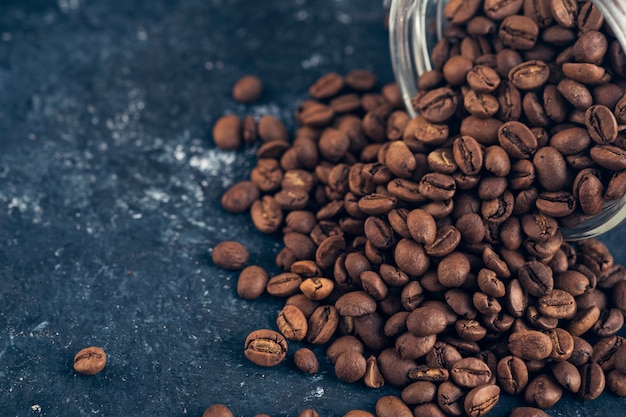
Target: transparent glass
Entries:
(415, 26)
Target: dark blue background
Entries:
(109, 201)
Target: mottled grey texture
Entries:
(109, 201)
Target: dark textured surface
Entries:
(109, 201)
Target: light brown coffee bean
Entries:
(218, 410)
(327, 86)
(227, 132)
(481, 399)
(251, 282)
(247, 89)
(530, 345)
(350, 366)
(90, 360)
(230, 255)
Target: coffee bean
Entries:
(247, 89)
(322, 324)
(468, 155)
(392, 406)
(575, 93)
(227, 132)
(512, 374)
(90, 360)
(251, 282)
(327, 86)
(480, 104)
(592, 381)
(350, 366)
(437, 106)
(557, 304)
(426, 132)
(271, 129)
(529, 75)
(470, 373)
(419, 392)
(421, 226)
(411, 257)
(230, 255)
(425, 321)
(456, 69)
(360, 80)
(218, 410)
(530, 345)
(543, 392)
(482, 79)
(481, 400)
(517, 140)
(306, 361)
(518, 32)
(265, 347)
(240, 196)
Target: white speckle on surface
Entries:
(142, 35)
(68, 5)
(317, 393)
(36, 408)
(302, 15)
(215, 162)
(348, 50)
(344, 18)
(208, 65)
(41, 326)
(158, 195)
(313, 61)
(6, 36)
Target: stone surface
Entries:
(109, 201)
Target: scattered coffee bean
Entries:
(230, 255)
(247, 89)
(218, 410)
(90, 360)
(265, 347)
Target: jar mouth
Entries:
(415, 26)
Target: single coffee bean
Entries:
(373, 378)
(350, 366)
(265, 347)
(557, 304)
(322, 324)
(550, 168)
(468, 155)
(251, 282)
(230, 255)
(609, 322)
(530, 345)
(481, 105)
(543, 392)
(414, 347)
(592, 381)
(327, 86)
(90, 360)
(616, 382)
(306, 361)
(590, 191)
(419, 392)
(425, 321)
(470, 372)
(556, 203)
(361, 79)
(517, 140)
(247, 89)
(529, 75)
(240, 196)
(575, 93)
(456, 68)
(266, 214)
(567, 375)
(392, 406)
(518, 32)
(227, 132)
(271, 129)
(283, 285)
(482, 399)
(437, 106)
(218, 410)
(512, 374)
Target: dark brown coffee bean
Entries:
(539, 11)
(571, 141)
(543, 392)
(218, 410)
(482, 399)
(534, 111)
(485, 131)
(530, 345)
(453, 269)
(512, 374)
(328, 251)
(617, 186)
(458, 11)
(343, 344)
(247, 89)
(609, 322)
(470, 372)
(471, 227)
(251, 282)
(227, 132)
(230, 255)
(468, 155)
(556, 203)
(518, 32)
(592, 381)
(400, 160)
(265, 347)
(499, 9)
(470, 330)
(564, 12)
(436, 186)
(372, 378)
(483, 79)
(271, 129)
(590, 191)
(446, 240)
(292, 323)
(551, 168)
(240, 196)
(425, 321)
(421, 226)
(419, 392)
(497, 161)
(411, 257)
(361, 79)
(616, 383)
(529, 75)
(392, 406)
(480, 104)
(345, 103)
(528, 411)
(355, 303)
(583, 72)
(517, 140)
(394, 369)
(590, 47)
(350, 366)
(322, 324)
(306, 361)
(557, 304)
(456, 69)
(376, 204)
(450, 398)
(575, 93)
(327, 86)
(437, 106)
(413, 347)
(426, 132)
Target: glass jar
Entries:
(415, 27)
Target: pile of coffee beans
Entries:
(426, 253)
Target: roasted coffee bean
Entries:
(240, 196)
(372, 378)
(265, 347)
(350, 366)
(419, 392)
(483, 79)
(517, 140)
(426, 132)
(247, 89)
(592, 381)
(327, 86)
(482, 399)
(322, 324)
(266, 214)
(512, 374)
(609, 156)
(437, 106)
(550, 168)
(470, 372)
(218, 410)
(590, 191)
(425, 321)
(470, 330)
(437, 187)
(575, 93)
(306, 361)
(480, 104)
(616, 383)
(230, 255)
(411, 257)
(556, 203)
(360, 79)
(392, 406)
(518, 32)
(557, 304)
(271, 129)
(456, 68)
(529, 75)
(453, 269)
(251, 283)
(609, 322)
(90, 360)
(468, 155)
(530, 345)
(413, 347)
(543, 392)
(583, 72)
(227, 132)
